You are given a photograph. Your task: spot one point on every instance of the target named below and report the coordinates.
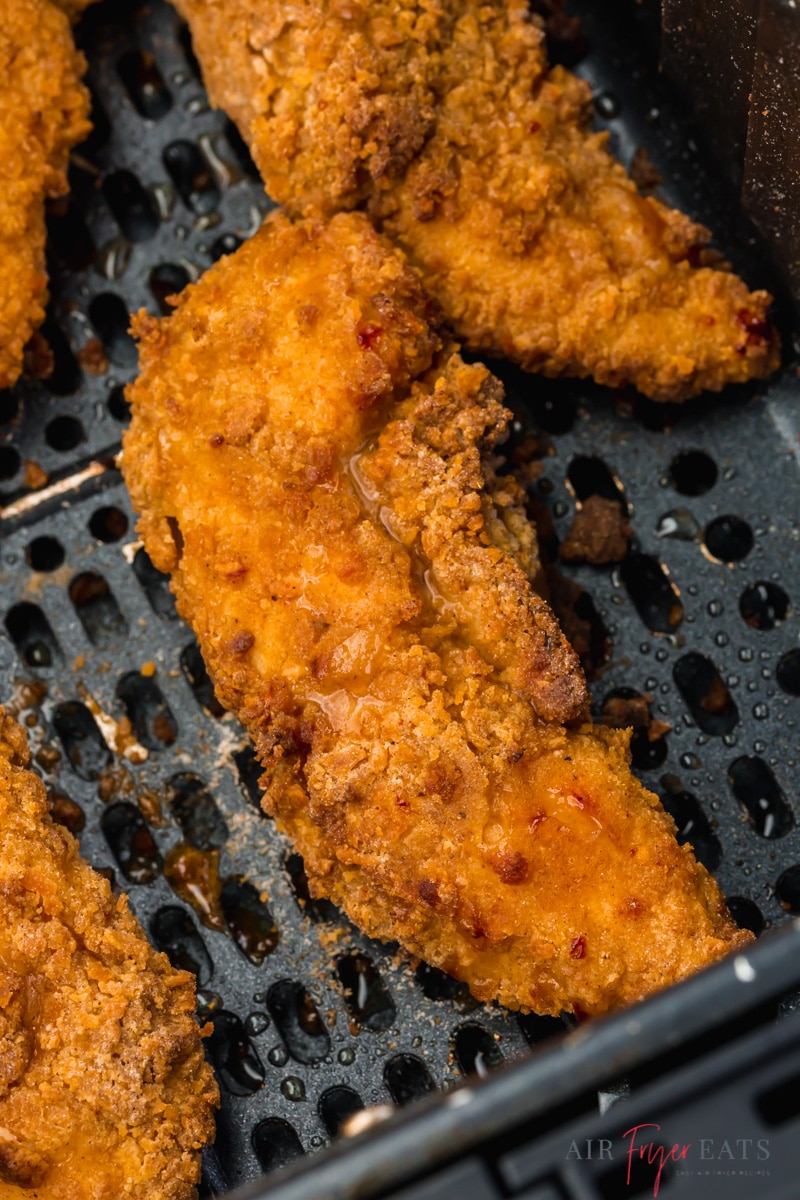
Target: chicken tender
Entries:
(316, 469)
(104, 1090)
(444, 120)
(43, 114)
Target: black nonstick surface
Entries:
(312, 1019)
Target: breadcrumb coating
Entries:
(104, 1090)
(44, 111)
(316, 469)
(445, 121)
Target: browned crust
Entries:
(445, 119)
(359, 579)
(103, 1085)
(43, 113)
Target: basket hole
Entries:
(64, 433)
(194, 669)
(316, 910)
(638, 1176)
(760, 795)
(537, 1029)
(176, 934)
(155, 585)
(167, 279)
(276, 1144)
(148, 711)
(788, 672)
(589, 476)
(554, 413)
(118, 405)
(100, 131)
(693, 473)
(746, 913)
(108, 524)
(437, 985)
(250, 921)
(45, 554)
(10, 462)
(32, 635)
(226, 243)
(407, 1079)
(65, 378)
(185, 40)
(712, 707)
(764, 605)
(68, 235)
(131, 842)
(298, 1021)
(365, 993)
(196, 811)
(66, 812)
(241, 151)
(694, 827)
(728, 539)
(82, 741)
(97, 609)
(145, 84)
(9, 407)
(625, 708)
(476, 1051)
(192, 176)
(250, 771)
(780, 1103)
(336, 1105)
(109, 315)
(652, 592)
(234, 1055)
(132, 207)
(787, 890)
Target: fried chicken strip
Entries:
(104, 1090)
(44, 111)
(315, 468)
(443, 118)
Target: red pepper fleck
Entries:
(534, 127)
(578, 948)
(216, 439)
(579, 1014)
(367, 334)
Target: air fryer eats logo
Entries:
(642, 1149)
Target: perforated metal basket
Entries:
(311, 1019)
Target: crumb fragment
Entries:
(598, 535)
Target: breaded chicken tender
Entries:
(444, 120)
(316, 469)
(44, 111)
(104, 1090)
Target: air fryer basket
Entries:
(311, 1019)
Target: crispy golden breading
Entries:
(104, 1090)
(314, 468)
(444, 119)
(43, 113)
